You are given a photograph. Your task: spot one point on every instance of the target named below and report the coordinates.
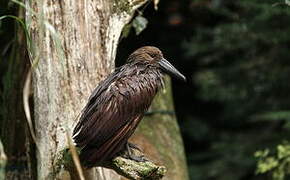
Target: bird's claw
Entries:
(137, 158)
(130, 155)
(134, 146)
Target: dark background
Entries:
(236, 57)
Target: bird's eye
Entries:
(153, 55)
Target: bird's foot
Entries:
(130, 154)
(134, 146)
(137, 158)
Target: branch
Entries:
(137, 170)
(130, 169)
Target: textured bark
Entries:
(89, 31)
(159, 136)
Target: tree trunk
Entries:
(88, 33)
(70, 63)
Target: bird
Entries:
(117, 105)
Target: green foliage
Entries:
(278, 163)
(139, 24)
(241, 62)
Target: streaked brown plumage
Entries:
(117, 105)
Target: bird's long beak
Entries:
(171, 70)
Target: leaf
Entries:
(139, 24)
(25, 29)
(262, 153)
(26, 94)
(266, 165)
(75, 157)
(20, 21)
(283, 151)
(126, 30)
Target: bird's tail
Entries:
(97, 156)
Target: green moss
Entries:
(64, 165)
(138, 170)
(120, 6)
(64, 159)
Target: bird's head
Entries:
(154, 56)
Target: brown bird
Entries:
(117, 105)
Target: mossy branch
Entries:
(130, 169)
(137, 170)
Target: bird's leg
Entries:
(130, 154)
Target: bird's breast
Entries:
(140, 88)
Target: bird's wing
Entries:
(92, 103)
(111, 107)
